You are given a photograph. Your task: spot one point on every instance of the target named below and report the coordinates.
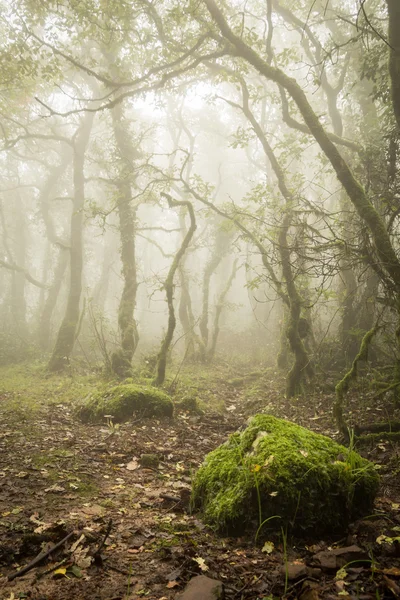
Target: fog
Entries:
(180, 184)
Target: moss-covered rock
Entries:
(190, 404)
(275, 468)
(122, 401)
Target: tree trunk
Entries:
(219, 309)
(66, 334)
(51, 300)
(394, 56)
(169, 289)
(122, 358)
(384, 248)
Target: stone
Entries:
(349, 554)
(294, 570)
(325, 559)
(290, 475)
(203, 588)
(338, 557)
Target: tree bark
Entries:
(51, 300)
(66, 334)
(394, 56)
(169, 288)
(121, 359)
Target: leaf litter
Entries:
(66, 478)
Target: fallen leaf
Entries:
(172, 584)
(202, 563)
(133, 464)
(75, 571)
(55, 489)
(341, 574)
(392, 586)
(268, 547)
(76, 544)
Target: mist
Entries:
(201, 199)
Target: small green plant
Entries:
(128, 587)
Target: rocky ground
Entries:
(110, 527)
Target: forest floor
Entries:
(133, 535)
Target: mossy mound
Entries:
(276, 468)
(122, 401)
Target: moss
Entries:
(190, 404)
(149, 461)
(122, 401)
(121, 362)
(277, 468)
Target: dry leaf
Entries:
(172, 584)
(268, 547)
(133, 464)
(202, 563)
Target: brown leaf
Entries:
(172, 584)
(392, 586)
(133, 464)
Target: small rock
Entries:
(203, 588)
(338, 557)
(294, 570)
(349, 554)
(314, 572)
(325, 559)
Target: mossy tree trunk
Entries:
(121, 359)
(61, 246)
(99, 293)
(169, 287)
(394, 56)
(185, 310)
(343, 386)
(348, 340)
(185, 313)
(302, 365)
(66, 334)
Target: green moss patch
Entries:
(122, 401)
(275, 468)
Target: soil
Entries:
(133, 534)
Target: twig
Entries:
(52, 568)
(41, 556)
(96, 554)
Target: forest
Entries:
(199, 299)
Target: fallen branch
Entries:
(97, 554)
(40, 557)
